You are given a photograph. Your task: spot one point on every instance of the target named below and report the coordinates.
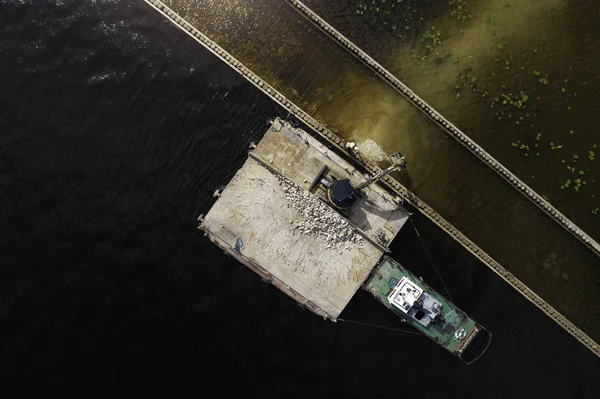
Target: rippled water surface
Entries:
(115, 129)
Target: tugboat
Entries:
(427, 311)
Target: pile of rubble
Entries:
(317, 219)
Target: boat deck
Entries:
(383, 281)
(268, 219)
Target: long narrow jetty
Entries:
(340, 144)
(448, 127)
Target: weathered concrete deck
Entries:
(300, 157)
(290, 233)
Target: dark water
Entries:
(115, 128)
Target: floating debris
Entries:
(460, 10)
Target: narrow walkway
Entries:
(449, 128)
(301, 62)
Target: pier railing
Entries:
(448, 127)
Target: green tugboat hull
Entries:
(427, 311)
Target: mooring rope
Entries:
(382, 327)
(431, 260)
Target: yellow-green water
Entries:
(545, 51)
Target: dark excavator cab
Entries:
(342, 194)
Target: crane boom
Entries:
(398, 163)
(341, 193)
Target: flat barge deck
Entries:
(271, 218)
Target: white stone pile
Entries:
(318, 220)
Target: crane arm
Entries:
(399, 162)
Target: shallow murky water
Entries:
(520, 77)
